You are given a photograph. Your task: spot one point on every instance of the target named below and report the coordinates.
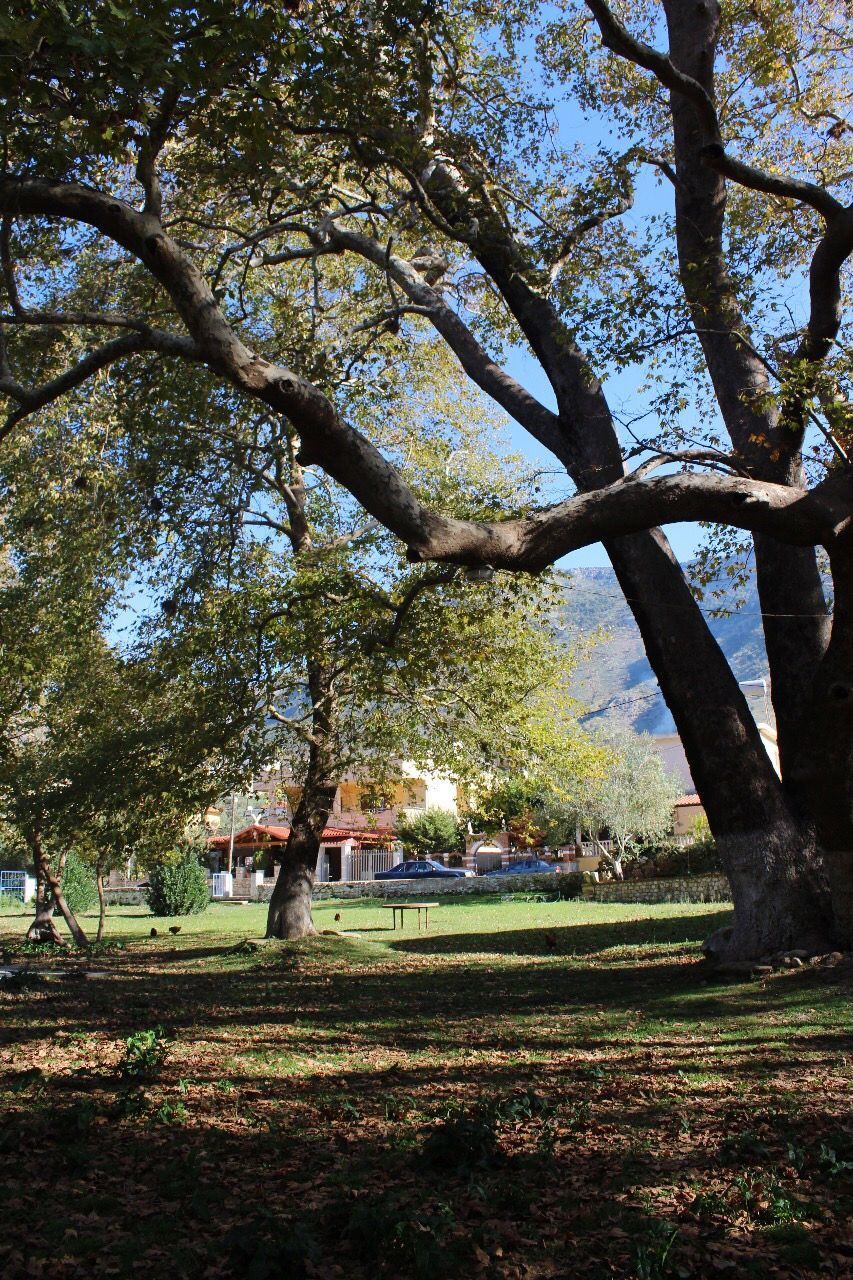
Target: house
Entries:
(345, 853)
(360, 804)
(688, 808)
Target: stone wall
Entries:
(542, 883)
(682, 889)
(679, 889)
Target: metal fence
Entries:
(12, 886)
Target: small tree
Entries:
(78, 884)
(435, 831)
(633, 799)
(536, 808)
(178, 886)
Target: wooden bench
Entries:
(410, 906)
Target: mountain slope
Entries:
(615, 682)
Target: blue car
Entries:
(413, 870)
(524, 867)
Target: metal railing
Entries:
(13, 885)
(364, 863)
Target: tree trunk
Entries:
(55, 883)
(794, 612)
(290, 906)
(823, 771)
(102, 904)
(767, 869)
(43, 928)
(774, 867)
(747, 809)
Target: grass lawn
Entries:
(527, 1090)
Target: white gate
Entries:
(366, 862)
(217, 884)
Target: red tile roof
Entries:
(683, 801)
(254, 836)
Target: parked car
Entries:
(524, 867)
(413, 870)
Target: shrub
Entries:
(428, 834)
(670, 859)
(178, 888)
(144, 1054)
(78, 885)
(569, 884)
(465, 1139)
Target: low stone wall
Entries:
(543, 883)
(680, 889)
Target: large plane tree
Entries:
(165, 170)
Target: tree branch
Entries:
(796, 516)
(146, 172)
(625, 506)
(489, 376)
(32, 399)
(616, 37)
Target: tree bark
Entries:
(795, 617)
(43, 928)
(289, 913)
(747, 808)
(102, 904)
(54, 882)
(774, 868)
(290, 906)
(822, 773)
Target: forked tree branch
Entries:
(505, 390)
(625, 506)
(31, 399)
(616, 37)
(797, 516)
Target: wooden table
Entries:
(410, 906)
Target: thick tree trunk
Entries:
(289, 913)
(747, 808)
(43, 928)
(775, 871)
(823, 770)
(767, 870)
(794, 611)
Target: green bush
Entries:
(178, 888)
(569, 884)
(144, 1054)
(430, 834)
(78, 885)
(670, 859)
